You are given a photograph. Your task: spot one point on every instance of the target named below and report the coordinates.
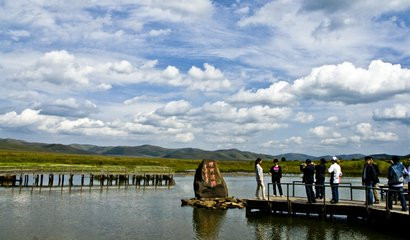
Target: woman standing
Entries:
(259, 179)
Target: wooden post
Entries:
(91, 180)
(62, 180)
(51, 180)
(118, 180)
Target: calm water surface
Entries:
(156, 214)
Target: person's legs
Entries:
(258, 185)
(274, 183)
(307, 188)
(390, 194)
(369, 193)
(310, 193)
(402, 199)
(375, 194)
(280, 188)
(319, 188)
(337, 192)
(263, 191)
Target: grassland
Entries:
(45, 160)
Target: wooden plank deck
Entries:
(324, 209)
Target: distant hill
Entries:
(13, 144)
(155, 151)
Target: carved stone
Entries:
(208, 181)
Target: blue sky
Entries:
(316, 77)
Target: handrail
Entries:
(344, 185)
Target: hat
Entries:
(308, 161)
(334, 159)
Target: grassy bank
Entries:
(55, 160)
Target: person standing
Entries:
(308, 170)
(395, 176)
(375, 184)
(335, 174)
(369, 179)
(320, 170)
(259, 179)
(276, 174)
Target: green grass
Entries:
(45, 160)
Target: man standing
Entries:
(369, 176)
(395, 176)
(335, 174)
(308, 170)
(320, 178)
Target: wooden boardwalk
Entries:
(82, 177)
(350, 209)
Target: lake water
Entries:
(157, 214)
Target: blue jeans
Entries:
(335, 191)
(396, 190)
(369, 193)
(310, 193)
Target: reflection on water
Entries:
(284, 227)
(207, 223)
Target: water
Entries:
(156, 214)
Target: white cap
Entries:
(334, 158)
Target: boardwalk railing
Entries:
(290, 192)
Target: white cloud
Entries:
(174, 108)
(16, 35)
(279, 93)
(332, 119)
(57, 68)
(122, 67)
(324, 132)
(209, 79)
(335, 83)
(287, 143)
(348, 84)
(159, 32)
(184, 137)
(366, 132)
(399, 112)
(304, 117)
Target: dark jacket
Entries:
(308, 174)
(320, 172)
(369, 174)
(276, 172)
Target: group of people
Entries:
(314, 175)
(309, 170)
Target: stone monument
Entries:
(208, 181)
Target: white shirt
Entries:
(337, 171)
(259, 173)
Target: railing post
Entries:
(293, 188)
(351, 192)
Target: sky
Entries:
(316, 77)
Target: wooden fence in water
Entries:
(84, 177)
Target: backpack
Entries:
(396, 174)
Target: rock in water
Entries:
(208, 182)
